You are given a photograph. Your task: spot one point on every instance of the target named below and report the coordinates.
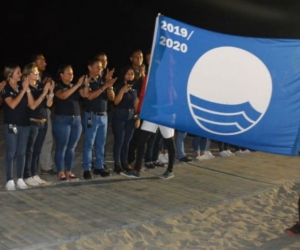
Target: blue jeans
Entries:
(180, 144)
(67, 131)
(199, 144)
(16, 148)
(96, 134)
(36, 139)
(123, 128)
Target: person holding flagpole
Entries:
(147, 129)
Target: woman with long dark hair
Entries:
(123, 119)
(67, 126)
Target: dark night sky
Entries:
(73, 32)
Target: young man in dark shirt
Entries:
(95, 118)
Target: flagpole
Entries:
(152, 47)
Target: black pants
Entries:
(133, 145)
(142, 140)
(153, 147)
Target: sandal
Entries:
(71, 176)
(61, 177)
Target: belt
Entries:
(96, 113)
(38, 120)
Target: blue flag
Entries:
(241, 90)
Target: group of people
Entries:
(25, 101)
(31, 124)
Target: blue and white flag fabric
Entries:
(241, 90)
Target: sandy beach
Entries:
(253, 222)
(238, 202)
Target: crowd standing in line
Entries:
(86, 107)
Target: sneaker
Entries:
(201, 157)
(48, 172)
(247, 151)
(131, 174)
(185, 159)
(294, 229)
(149, 165)
(198, 158)
(239, 152)
(71, 176)
(31, 182)
(209, 155)
(205, 157)
(223, 154)
(101, 172)
(21, 184)
(87, 175)
(38, 180)
(158, 164)
(10, 186)
(229, 153)
(167, 175)
(162, 158)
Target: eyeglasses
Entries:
(35, 73)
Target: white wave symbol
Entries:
(223, 118)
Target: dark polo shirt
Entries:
(128, 99)
(20, 114)
(98, 104)
(68, 106)
(40, 111)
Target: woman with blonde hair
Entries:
(17, 98)
(43, 98)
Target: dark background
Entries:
(73, 31)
